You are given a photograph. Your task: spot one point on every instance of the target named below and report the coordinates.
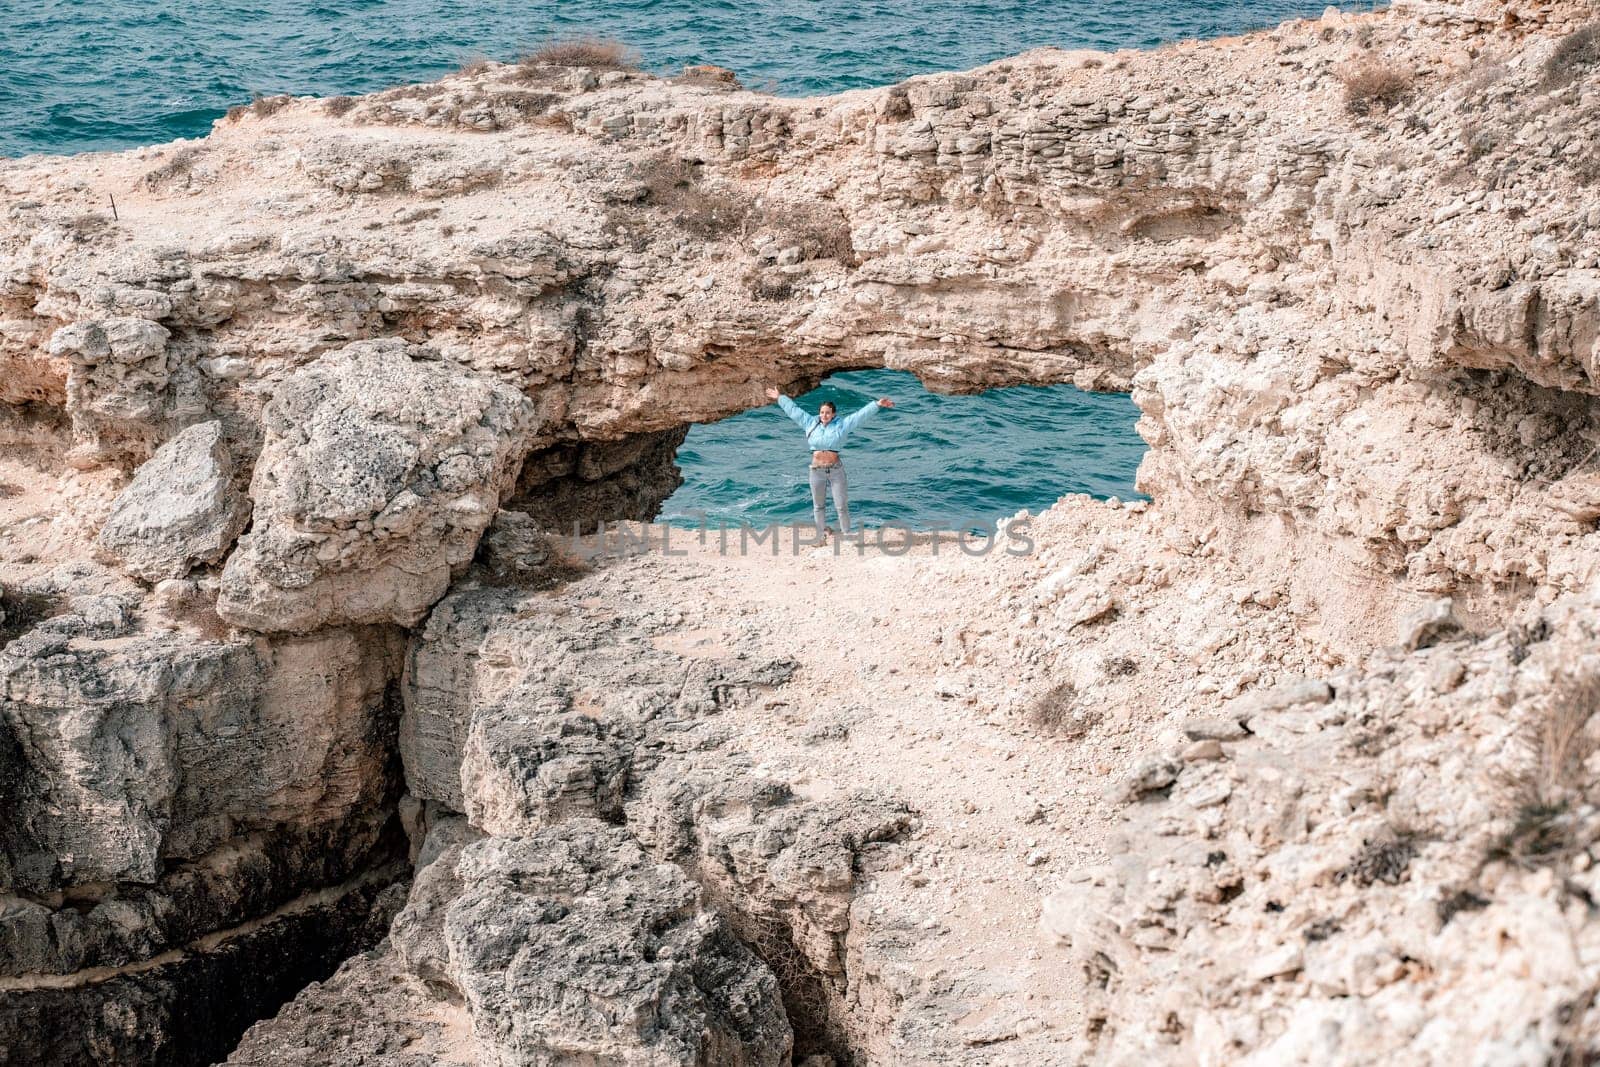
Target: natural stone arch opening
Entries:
(1052, 438)
(935, 460)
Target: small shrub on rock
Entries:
(1452, 904)
(1551, 778)
(713, 213)
(702, 211)
(592, 52)
(1119, 666)
(817, 227)
(664, 175)
(1374, 85)
(709, 77)
(1560, 742)
(176, 169)
(259, 106)
(526, 105)
(1576, 53)
(1055, 711)
(771, 287)
(1380, 861)
(89, 223)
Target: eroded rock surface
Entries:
(181, 805)
(507, 688)
(1361, 327)
(1395, 851)
(572, 944)
(181, 509)
(142, 750)
(381, 466)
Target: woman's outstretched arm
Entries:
(856, 418)
(791, 409)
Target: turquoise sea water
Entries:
(94, 74)
(930, 462)
(79, 75)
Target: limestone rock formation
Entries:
(180, 510)
(501, 695)
(198, 801)
(381, 466)
(786, 871)
(1359, 867)
(536, 721)
(572, 945)
(118, 386)
(1347, 269)
(142, 750)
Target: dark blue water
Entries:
(78, 75)
(930, 462)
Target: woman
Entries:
(825, 434)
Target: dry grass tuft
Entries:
(1056, 712)
(1450, 905)
(1119, 666)
(174, 170)
(527, 106)
(260, 106)
(553, 120)
(707, 76)
(712, 213)
(592, 52)
(1552, 780)
(1562, 740)
(664, 176)
(89, 223)
(1577, 52)
(705, 212)
(770, 287)
(817, 227)
(1373, 85)
(338, 105)
(1380, 861)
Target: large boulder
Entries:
(573, 946)
(381, 467)
(788, 869)
(180, 510)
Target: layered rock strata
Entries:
(1347, 268)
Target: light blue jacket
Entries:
(832, 436)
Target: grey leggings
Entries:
(821, 479)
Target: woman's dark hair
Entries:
(830, 405)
